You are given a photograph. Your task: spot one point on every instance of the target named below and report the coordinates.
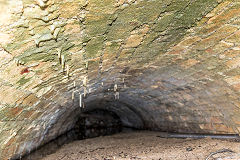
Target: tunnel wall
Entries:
(165, 65)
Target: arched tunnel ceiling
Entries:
(164, 65)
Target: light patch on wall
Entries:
(5, 57)
(6, 13)
(7, 8)
(4, 37)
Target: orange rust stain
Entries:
(15, 111)
(25, 70)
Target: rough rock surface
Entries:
(166, 65)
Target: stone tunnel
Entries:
(163, 65)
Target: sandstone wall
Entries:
(170, 65)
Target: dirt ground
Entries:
(146, 146)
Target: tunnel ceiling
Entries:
(165, 65)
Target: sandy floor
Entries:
(146, 146)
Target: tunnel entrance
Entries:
(97, 123)
(100, 122)
(90, 124)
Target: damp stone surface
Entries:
(162, 65)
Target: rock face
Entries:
(166, 65)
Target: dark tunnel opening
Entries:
(102, 118)
(105, 117)
(90, 124)
(97, 123)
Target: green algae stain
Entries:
(23, 81)
(94, 46)
(168, 21)
(172, 26)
